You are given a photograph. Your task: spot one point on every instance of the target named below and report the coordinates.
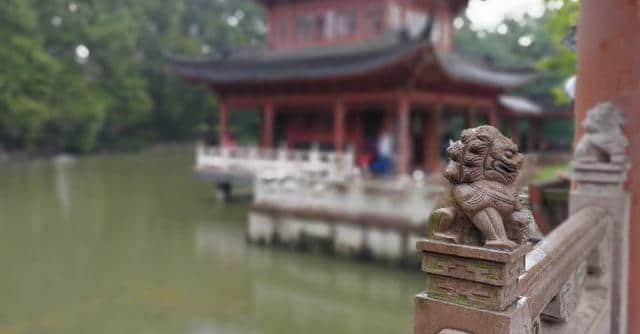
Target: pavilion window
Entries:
(415, 22)
(310, 27)
(281, 32)
(395, 15)
(346, 23)
(375, 20)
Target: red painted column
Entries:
(223, 121)
(404, 136)
(268, 115)
(339, 114)
(387, 120)
(516, 133)
(444, 20)
(494, 119)
(431, 136)
(535, 127)
(470, 119)
(609, 70)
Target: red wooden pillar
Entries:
(339, 114)
(494, 119)
(516, 133)
(444, 20)
(404, 136)
(223, 121)
(268, 115)
(431, 136)
(387, 120)
(535, 126)
(609, 70)
(470, 119)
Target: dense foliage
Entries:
(532, 43)
(86, 75)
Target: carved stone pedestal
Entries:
(477, 243)
(435, 316)
(472, 276)
(468, 285)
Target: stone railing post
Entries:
(200, 153)
(599, 171)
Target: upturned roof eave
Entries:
(273, 69)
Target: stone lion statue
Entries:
(482, 171)
(603, 140)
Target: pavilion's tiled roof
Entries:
(520, 105)
(341, 61)
(464, 69)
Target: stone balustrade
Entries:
(273, 163)
(549, 289)
(382, 218)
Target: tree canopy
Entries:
(86, 75)
(529, 42)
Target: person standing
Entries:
(383, 164)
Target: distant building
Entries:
(340, 74)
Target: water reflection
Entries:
(62, 166)
(134, 244)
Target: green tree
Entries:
(562, 61)
(515, 44)
(89, 74)
(198, 28)
(35, 87)
(534, 43)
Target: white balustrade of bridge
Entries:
(274, 163)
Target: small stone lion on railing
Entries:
(603, 140)
(482, 172)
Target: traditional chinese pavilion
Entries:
(340, 73)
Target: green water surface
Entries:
(134, 244)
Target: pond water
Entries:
(135, 244)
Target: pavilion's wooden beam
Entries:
(315, 99)
(431, 98)
(386, 97)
